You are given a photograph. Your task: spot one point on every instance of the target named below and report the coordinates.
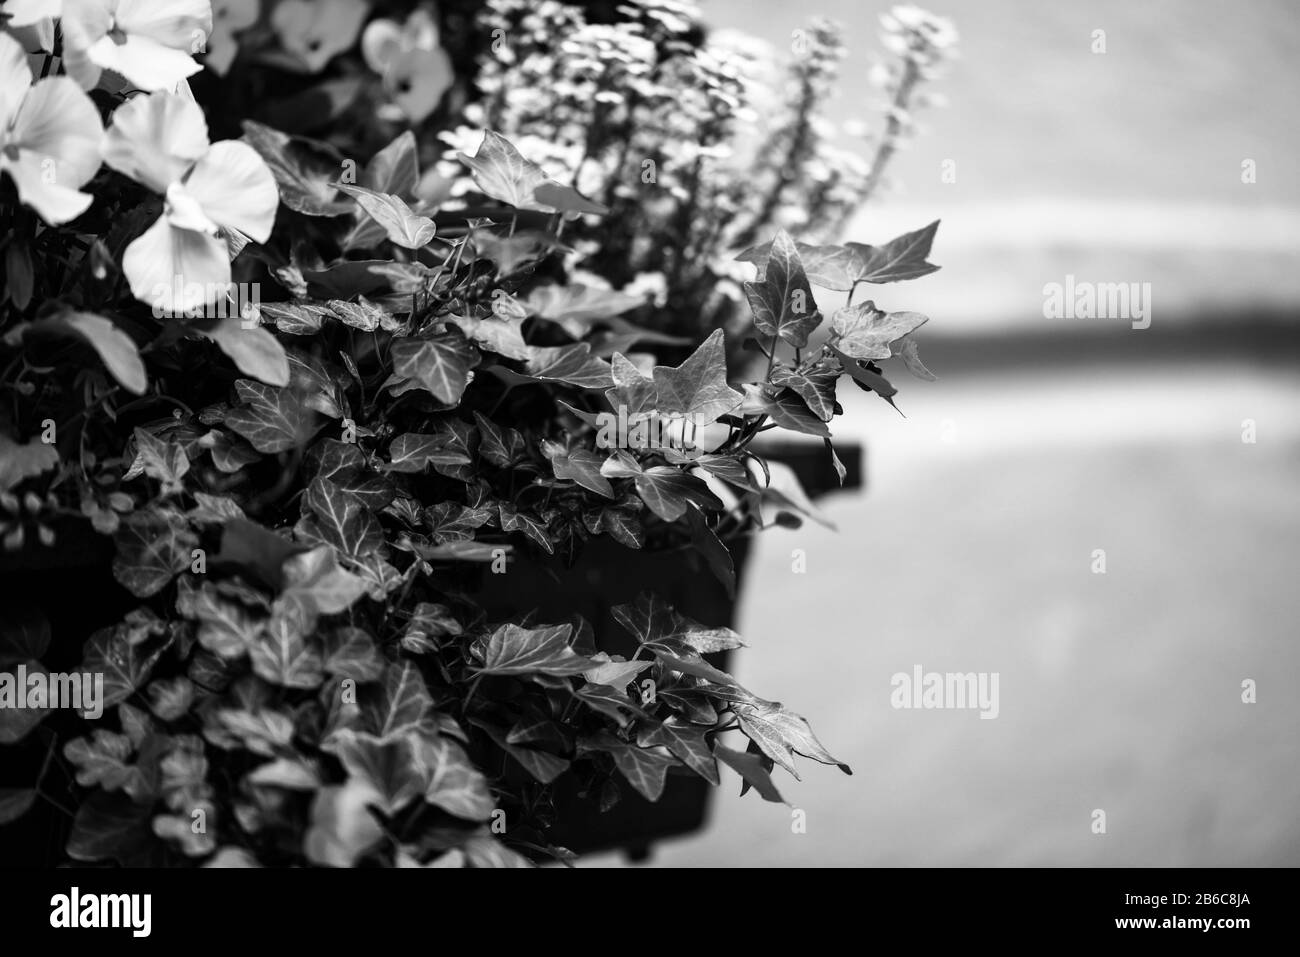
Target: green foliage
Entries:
(303, 500)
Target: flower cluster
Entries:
(674, 130)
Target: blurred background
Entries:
(972, 545)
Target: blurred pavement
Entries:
(971, 551)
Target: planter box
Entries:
(608, 574)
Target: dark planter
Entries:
(608, 574)
(73, 586)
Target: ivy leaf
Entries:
(780, 733)
(901, 258)
(226, 627)
(513, 520)
(623, 526)
(342, 519)
(698, 387)
(111, 826)
(163, 460)
(296, 318)
(543, 765)
(512, 252)
(715, 553)
(864, 332)
(256, 550)
(21, 462)
(429, 622)
(501, 335)
(831, 267)
(271, 419)
(440, 364)
(170, 698)
(230, 453)
(750, 768)
(905, 348)
(453, 783)
(686, 742)
(388, 767)
(502, 173)
(412, 452)
(398, 706)
(615, 673)
(125, 667)
(842, 267)
(17, 723)
(572, 365)
(152, 546)
(452, 522)
(576, 307)
(633, 390)
(565, 199)
(396, 167)
(281, 654)
(404, 227)
(645, 768)
(866, 379)
(351, 653)
(578, 465)
(484, 851)
(693, 703)
(254, 351)
(515, 650)
(362, 314)
(816, 388)
(688, 662)
(103, 760)
(782, 301)
(25, 632)
(302, 176)
(15, 802)
(785, 408)
(500, 445)
(315, 584)
(651, 619)
(668, 491)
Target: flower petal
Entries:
(85, 23)
(15, 79)
(176, 271)
(380, 43)
(148, 64)
(59, 121)
(179, 24)
(236, 189)
(39, 188)
(155, 139)
(23, 13)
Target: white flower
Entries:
(313, 32)
(180, 263)
(49, 137)
(416, 71)
(228, 18)
(147, 41)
